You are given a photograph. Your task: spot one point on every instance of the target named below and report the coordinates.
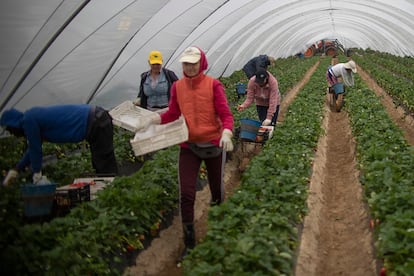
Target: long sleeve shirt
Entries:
(339, 70)
(268, 95)
(56, 124)
(221, 107)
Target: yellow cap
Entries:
(155, 57)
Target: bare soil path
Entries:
(160, 258)
(336, 238)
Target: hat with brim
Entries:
(261, 77)
(351, 65)
(191, 55)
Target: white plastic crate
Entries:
(129, 116)
(157, 137)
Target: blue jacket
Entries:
(56, 124)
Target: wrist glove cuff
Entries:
(37, 177)
(10, 177)
(225, 141)
(266, 122)
(156, 119)
(227, 132)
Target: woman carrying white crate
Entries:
(202, 101)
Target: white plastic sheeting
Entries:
(73, 51)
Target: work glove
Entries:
(225, 141)
(137, 102)
(153, 119)
(37, 177)
(266, 122)
(10, 177)
(240, 107)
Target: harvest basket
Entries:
(129, 116)
(338, 88)
(157, 137)
(72, 195)
(38, 199)
(249, 129)
(241, 88)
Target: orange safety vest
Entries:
(195, 98)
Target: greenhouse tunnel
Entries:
(59, 52)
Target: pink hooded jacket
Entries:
(221, 107)
(268, 95)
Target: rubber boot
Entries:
(189, 240)
(215, 203)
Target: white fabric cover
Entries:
(73, 51)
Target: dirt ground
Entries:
(338, 223)
(336, 237)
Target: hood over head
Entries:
(194, 54)
(12, 118)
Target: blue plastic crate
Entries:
(338, 88)
(241, 88)
(249, 129)
(38, 199)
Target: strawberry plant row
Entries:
(95, 237)
(398, 83)
(255, 232)
(386, 163)
(402, 66)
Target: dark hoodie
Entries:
(12, 118)
(56, 124)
